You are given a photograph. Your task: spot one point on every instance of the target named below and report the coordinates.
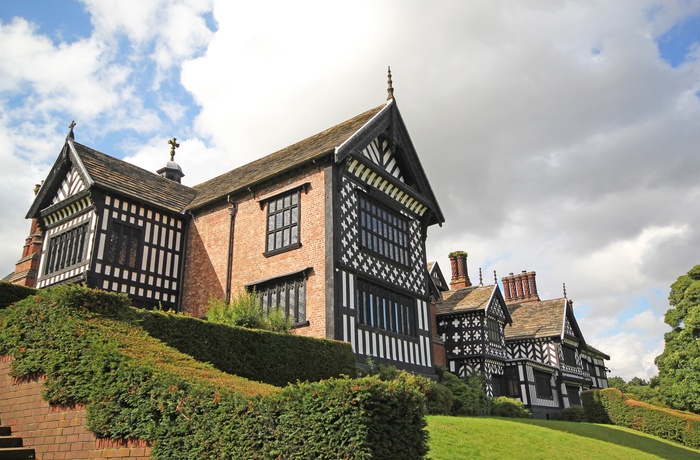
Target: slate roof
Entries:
(595, 351)
(126, 179)
(532, 320)
(312, 148)
(473, 298)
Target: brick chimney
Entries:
(27, 268)
(520, 288)
(460, 276)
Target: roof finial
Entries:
(564, 286)
(481, 279)
(495, 278)
(390, 88)
(173, 146)
(70, 133)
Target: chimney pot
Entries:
(460, 275)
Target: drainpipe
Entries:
(229, 265)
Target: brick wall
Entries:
(55, 432)
(208, 239)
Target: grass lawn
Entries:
(497, 438)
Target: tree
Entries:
(679, 364)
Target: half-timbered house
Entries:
(332, 229)
(526, 348)
(111, 225)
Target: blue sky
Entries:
(559, 137)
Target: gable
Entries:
(495, 309)
(71, 185)
(379, 151)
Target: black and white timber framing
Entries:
(129, 242)
(382, 211)
(539, 356)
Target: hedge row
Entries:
(92, 353)
(11, 293)
(612, 406)
(264, 356)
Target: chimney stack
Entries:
(460, 276)
(521, 287)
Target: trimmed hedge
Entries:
(612, 406)
(264, 356)
(133, 386)
(11, 293)
(503, 406)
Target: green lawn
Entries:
(496, 438)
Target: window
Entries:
(569, 355)
(511, 382)
(383, 232)
(574, 398)
(289, 294)
(543, 385)
(283, 222)
(385, 309)
(123, 245)
(66, 249)
(494, 330)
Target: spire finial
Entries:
(495, 278)
(173, 146)
(390, 88)
(564, 286)
(71, 126)
(481, 279)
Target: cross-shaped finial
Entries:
(173, 146)
(71, 126)
(390, 88)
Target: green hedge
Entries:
(92, 353)
(612, 406)
(264, 356)
(11, 293)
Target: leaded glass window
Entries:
(289, 294)
(385, 309)
(383, 231)
(283, 222)
(66, 249)
(123, 245)
(543, 385)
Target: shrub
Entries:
(439, 400)
(136, 387)
(573, 414)
(245, 310)
(681, 427)
(503, 406)
(277, 359)
(11, 293)
(469, 395)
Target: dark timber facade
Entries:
(526, 348)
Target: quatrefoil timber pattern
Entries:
(410, 278)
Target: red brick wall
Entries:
(207, 249)
(55, 432)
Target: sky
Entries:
(559, 137)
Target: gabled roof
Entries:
(111, 174)
(437, 278)
(538, 319)
(340, 140)
(312, 148)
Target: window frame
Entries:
(272, 211)
(133, 244)
(75, 253)
(576, 401)
(569, 355)
(511, 379)
(493, 330)
(394, 312)
(280, 286)
(541, 390)
(383, 232)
